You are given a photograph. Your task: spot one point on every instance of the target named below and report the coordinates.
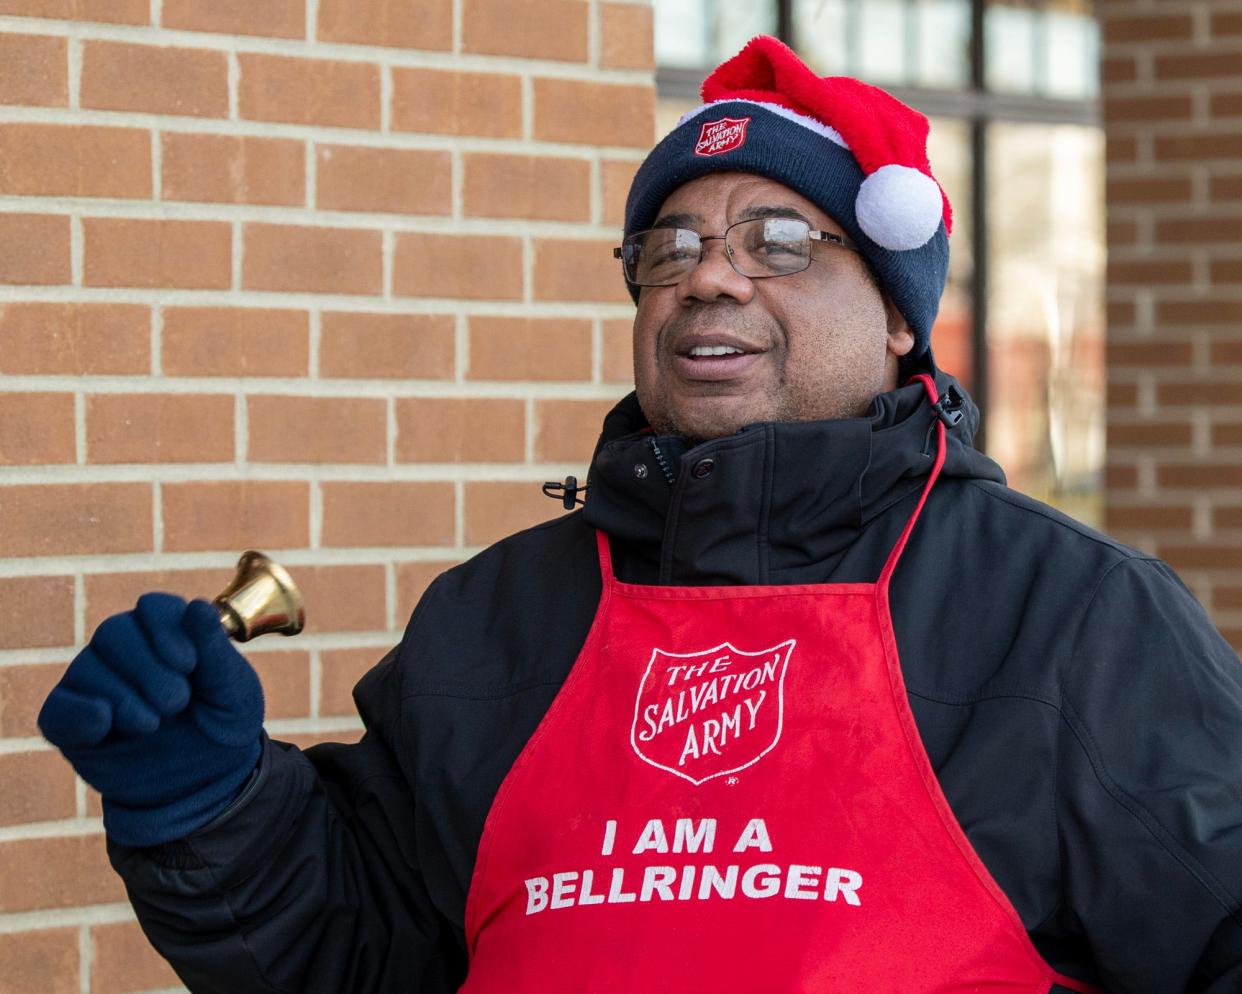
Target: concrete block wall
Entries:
(324, 278)
(1172, 89)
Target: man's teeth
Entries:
(715, 350)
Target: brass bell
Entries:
(261, 598)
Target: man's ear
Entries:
(900, 337)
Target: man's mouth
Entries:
(708, 360)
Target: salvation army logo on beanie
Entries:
(851, 148)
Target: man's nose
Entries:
(714, 278)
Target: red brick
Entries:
(312, 260)
(319, 430)
(1226, 271)
(1226, 104)
(449, 429)
(465, 266)
(74, 339)
(1150, 434)
(1199, 312)
(36, 612)
(1226, 22)
(235, 341)
(1198, 476)
(40, 962)
(628, 36)
(616, 177)
(540, 349)
(309, 91)
(45, 785)
(1136, 27)
(234, 515)
(271, 19)
(22, 692)
(163, 428)
(230, 169)
(1147, 109)
(111, 593)
(1223, 393)
(72, 518)
(387, 346)
(155, 80)
(413, 579)
(618, 365)
(34, 70)
(36, 428)
(1120, 149)
(1227, 517)
(1120, 476)
(1226, 187)
(494, 510)
(1198, 147)
(285, 676)
(527, 186)
(56, 873)
(531, 29)
(1176, 518)
(51, 160)
(1227, 435)
(1148, 190)
(1122, 394)
(606, 114)
(132, 252)
(457, 103)
(567, 430)
(427, 24)
(1121, 312)
(123, 960)
(381, 515)
(577, 269)
(1216, 556)
(1227, 598)
(34, 248)
(343, 598)
(403, 181)
(112, 11)
(1225, 353)
(1149, 272)
(1118, 69)
(340, 670)
(1201, 65)
(1206, 230)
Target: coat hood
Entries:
(778, 502)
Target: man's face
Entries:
(817, 344)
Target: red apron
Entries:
(729, 796)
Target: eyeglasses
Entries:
(758, 248)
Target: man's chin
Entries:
(703, 421)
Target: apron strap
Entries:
(895, 554)
(605, 556)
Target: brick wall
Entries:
(323, 278)
(1172, 72)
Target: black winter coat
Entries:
(1081, 711)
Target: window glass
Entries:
(883, 36)
(1010, 39)
(821, 28)
(1045, 416)
(1072, 55)
(698, 34)
(943, 33)
(948, 149)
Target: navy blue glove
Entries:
(161, 715)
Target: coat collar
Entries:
(777, 502)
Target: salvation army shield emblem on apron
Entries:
(710, 713)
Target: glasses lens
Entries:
(773, 246)
(661, 256)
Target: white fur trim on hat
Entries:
(899, 208)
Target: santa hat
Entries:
(852, 149)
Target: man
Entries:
(803, 700)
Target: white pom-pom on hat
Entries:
(899, 207)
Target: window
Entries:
(1010, 87)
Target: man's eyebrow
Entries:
(756, 212)
(677, 221)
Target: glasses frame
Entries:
(831, 237)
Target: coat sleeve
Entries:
(309, 882)
(1150, 787)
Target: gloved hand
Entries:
(161, 715)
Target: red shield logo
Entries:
(704, 714)
(718, 137)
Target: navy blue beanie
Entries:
(852, 149)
